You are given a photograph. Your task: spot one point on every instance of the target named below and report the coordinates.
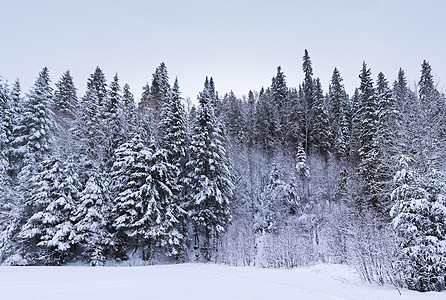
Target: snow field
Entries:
(194, 281)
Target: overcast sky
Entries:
(240, 43)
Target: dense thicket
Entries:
(284, 177)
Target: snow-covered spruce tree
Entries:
(163, 192)
(175, 143)
(368, 151)
(97, 84)
(431, 122)
(387, 139)
(209, 180)
(34, 131)
(321, 134)
(173, 129)
(355, 126)
(146, 213)
(5, 205)
(159, 91)
(11, 204)
(339, 116)
(131, 121)
(279, 96)
(65, 100)
(90, 219)
(232, 116)
(89, 135)
(11, 119)
(113, 121)
(267, 125)
(419, 216)
(250, 120)
(47, 236)
(130, 169)
(307, 101)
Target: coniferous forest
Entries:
(289, 175)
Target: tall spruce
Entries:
(209, 180)
(321, 134)
(65, 100)
(307, 101)
(418, 219)
(48, 233)
(279, 95)
(368, 151)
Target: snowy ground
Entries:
(193, 281)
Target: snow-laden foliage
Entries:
(285, 177)
(419, 218)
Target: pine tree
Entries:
(209, 178)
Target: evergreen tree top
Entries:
(426, 84)
(306, 66)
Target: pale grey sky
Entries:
(239, 43)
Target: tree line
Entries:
(283, 177)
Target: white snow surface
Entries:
(194, 281)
